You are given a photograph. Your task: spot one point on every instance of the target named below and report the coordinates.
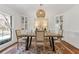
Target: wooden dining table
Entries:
(29, 39)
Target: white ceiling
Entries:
(28, 8)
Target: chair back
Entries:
(18, 32)
(40, 35)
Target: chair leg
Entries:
(50, 41)
(17, 45)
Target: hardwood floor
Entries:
(62, 46)
(72, 48)
(67, 48)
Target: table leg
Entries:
(27, 42)
(53, 44)
(30, 41)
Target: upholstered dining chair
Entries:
(40, 40)
(20, 40)
(18, 32)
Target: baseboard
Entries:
(70, 44)
(7, 47)
(70, 47)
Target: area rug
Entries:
(32, 50)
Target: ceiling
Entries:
(29, 8)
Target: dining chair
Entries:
(18, 32)
(20, 40)
(40, 40)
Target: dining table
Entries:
(29, 39)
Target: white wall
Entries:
(15, 24)
(71, 26)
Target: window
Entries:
(5, 28)
(59, 25)
(24, 23)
